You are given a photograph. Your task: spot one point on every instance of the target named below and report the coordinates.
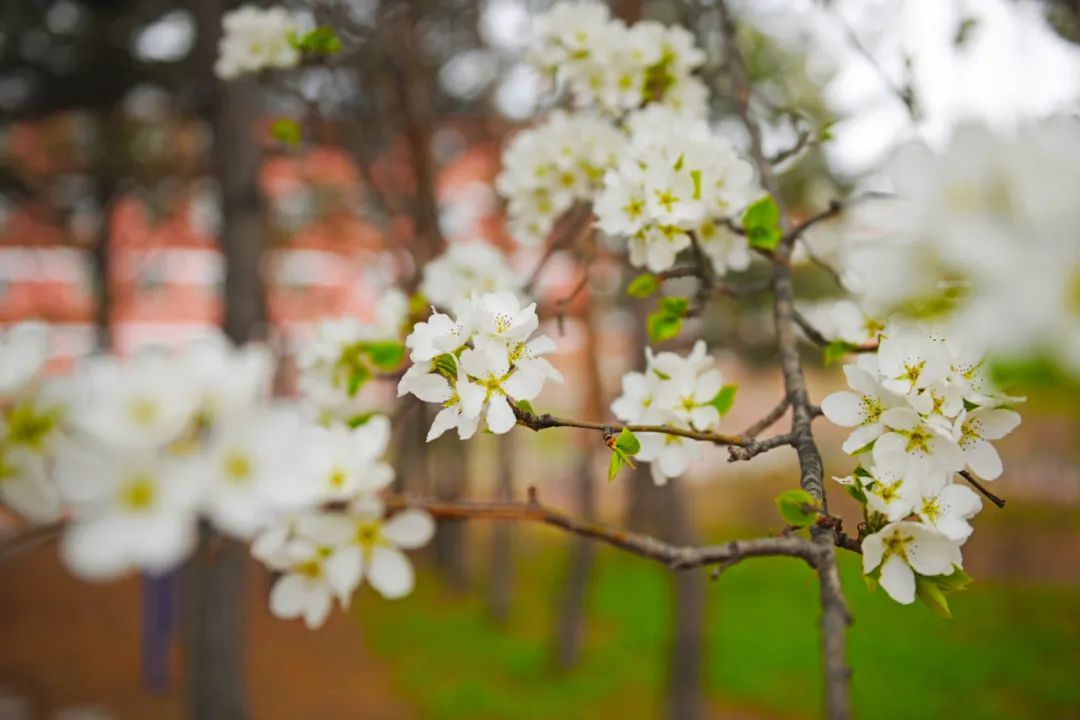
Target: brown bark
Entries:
(215, 652)
(501, 581)
(570, 627)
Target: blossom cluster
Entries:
(548, 168)
(255, 39)
(611, 68)
(464, 269)
(683, 392)
(1017, 293)
(922, 410)
(345, 352)
(677, 177)
(478, 363)
(131, 452)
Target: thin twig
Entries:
(568, 231)
(801, 142)
(775, 414)
(546, 421)
(676, 557)
(905, 93)
(1000, 502)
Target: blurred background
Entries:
(142, 202)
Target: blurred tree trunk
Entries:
(109, 167)
(448, 469)
(501, 582)
(662, 511)
(410, 77)
(215, 654)
(570, 629)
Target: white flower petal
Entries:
(390, 572)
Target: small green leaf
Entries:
(856, 492)
(837, 350)
(286, 131)
(525, 406)
(761, 222)
(724, 399)
(797, 507)
(663, 326)
(614, 466)
(643, 285)
(628, 443)
(676, 306)
(385, 354)
(931, 595)
(320, 41)
(679, 162)
(357, 378)
(873, 579)
(955, 581)
(362, 419)
(695, 175)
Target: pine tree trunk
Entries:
(570, 629)
(215, 652)
(501, 582)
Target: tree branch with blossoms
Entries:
(135, 453)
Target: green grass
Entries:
(1009, 652)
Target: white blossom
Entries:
(902, 549)
(24, 349)
(255, 39)
(479, 363)
(676, 391)
(984, 231)
(466, 269)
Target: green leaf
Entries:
(761, 221)
(525, 406)
(931, 595)
(643, 285)
(357, 378)
(286, 131)
(856, 492)
(797, 507)
(628, 443)
(676, 306)
(614, 466)
(385, 354)
(873, 579)
(362, 419)
(695, 175)
(663, 326)
(724, 399)
(955, 581)
(320, 41)
(836, 350)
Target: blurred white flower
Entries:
(255, 39)
(132, 510)
(466, 269)
(373, 550)
(24, 349)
